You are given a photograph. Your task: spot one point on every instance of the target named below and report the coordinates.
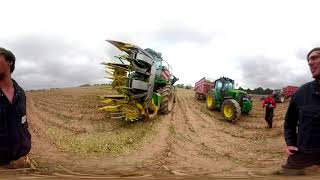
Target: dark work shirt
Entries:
(15, 139)
(302, 121)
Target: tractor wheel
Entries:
(167, 99)
(210, 101)
(231, 110)
(281, 99)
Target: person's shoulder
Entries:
(305, 88)
(18, 88)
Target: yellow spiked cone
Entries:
(111, 108)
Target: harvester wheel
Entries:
(210, 101)
(167, 99)
(231, 110)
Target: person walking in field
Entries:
(269, 103)
(15, 138)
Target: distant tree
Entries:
(268, 91)
(188, 86)
(259, 90)
(180, 85)
(84, 85)
(249, 91)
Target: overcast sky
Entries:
(257, 43)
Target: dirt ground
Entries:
(70, 137)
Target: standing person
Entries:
(302, 122)
(269, 103)
(15, 139)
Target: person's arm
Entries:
(264, 103)
(290, 124)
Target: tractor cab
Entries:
(221, 87)
(224, 83)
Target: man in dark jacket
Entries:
(15, 139)
(302, 122)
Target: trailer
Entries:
(280, 95)
(202, 87)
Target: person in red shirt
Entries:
(269, 103)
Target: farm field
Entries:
(70, 137)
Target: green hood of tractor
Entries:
(236, 91)
(236, 94)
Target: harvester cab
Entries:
(232, 102)
(143, 81)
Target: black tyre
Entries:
(231, 110)
(167, 99)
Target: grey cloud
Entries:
(180, 33)
(265, 72)
(44, 62)
(302, 54)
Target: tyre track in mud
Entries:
(57, 119)
(158, 162)
(189, 144)
(219, 141)
(180, 144)
(185, 117)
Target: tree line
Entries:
(258, 90)
(187, 86)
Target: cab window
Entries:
(218, 85)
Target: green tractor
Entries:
(230, 101)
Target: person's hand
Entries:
(290, 150)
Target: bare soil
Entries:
(70, 137)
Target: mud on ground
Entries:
(71, 137)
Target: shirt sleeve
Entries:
(290, 124)
(264, 102)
